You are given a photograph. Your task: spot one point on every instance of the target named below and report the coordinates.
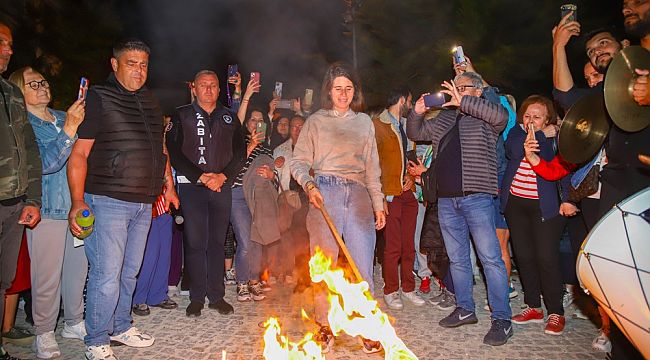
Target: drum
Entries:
(614, 267)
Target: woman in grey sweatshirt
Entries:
(338, 143)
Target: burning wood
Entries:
(352, 311)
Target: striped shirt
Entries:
(524, 183)
(260, 149)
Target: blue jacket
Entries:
(549, 194)
(54, 147)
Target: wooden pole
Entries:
(339, 240)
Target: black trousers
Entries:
(207, 214)
(11, 234)
(536, 245)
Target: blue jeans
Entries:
(248, 257)
(460, 216)
(350, 208)
(114, 250)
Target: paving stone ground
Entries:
(179, 337)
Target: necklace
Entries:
(339, 115)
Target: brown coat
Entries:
(391, 155)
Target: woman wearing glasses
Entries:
(51, 246)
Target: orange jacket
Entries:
(391, 155)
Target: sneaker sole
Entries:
(115, 342)
(244, 300)
(549, 332)
(459, 324)
(439, 307)
(70, 336)
(260, 298)
(533, 321)
(499, 343)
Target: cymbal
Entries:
(619, 82)
(584, 129)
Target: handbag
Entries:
(588, 186)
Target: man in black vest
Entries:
(117, 169)
(206, 146)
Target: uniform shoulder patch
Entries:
(227, 119)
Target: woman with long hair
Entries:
(338, 143)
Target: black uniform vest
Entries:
(127, 161)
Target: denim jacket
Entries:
(55, 148)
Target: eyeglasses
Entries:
(36, 84)
(462, 88)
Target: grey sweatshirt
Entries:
(339, 146)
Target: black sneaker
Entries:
(18, 336)
(194, 309)
(141, 309)
(458, 318)
(167, 304)
(222, 307)
(325, 338)
(500, 332)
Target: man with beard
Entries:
(637, 23)
(400, 204)
(601, 46)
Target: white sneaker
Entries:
(414, 298)
(101, 352)
(77, 331)
(602, 343)
(45, 346)
(394, 301)
(134, 338)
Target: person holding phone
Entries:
(400, 204)
(464, 140)
(338, 143)
(58, 268)
(20, 196)
(536, 216)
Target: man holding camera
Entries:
(117, 170)
(464, 148)
(206, 147)
(400, 204)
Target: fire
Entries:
(352, 311)
(277, 346)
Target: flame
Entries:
(277, 346)
(352, 311)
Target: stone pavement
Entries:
(179, 337)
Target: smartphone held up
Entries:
(459, 55)
(566, 9)
(83, 89)
(435, 100)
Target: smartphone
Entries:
(412, 156)
(434, 100)
(309, 95)
(567, 8)
(459, 55)
(256, 76)
(232, 70)
(284, 104)
(261, 127)
(83, 89)
(278, 90)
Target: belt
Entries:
(12, 201)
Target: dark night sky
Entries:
(293, 40)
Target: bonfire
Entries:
(352, 311)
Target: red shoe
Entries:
(425, 285)
(554, 324)
(529, 315)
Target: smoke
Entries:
(291, 41)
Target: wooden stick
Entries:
(339, 240)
